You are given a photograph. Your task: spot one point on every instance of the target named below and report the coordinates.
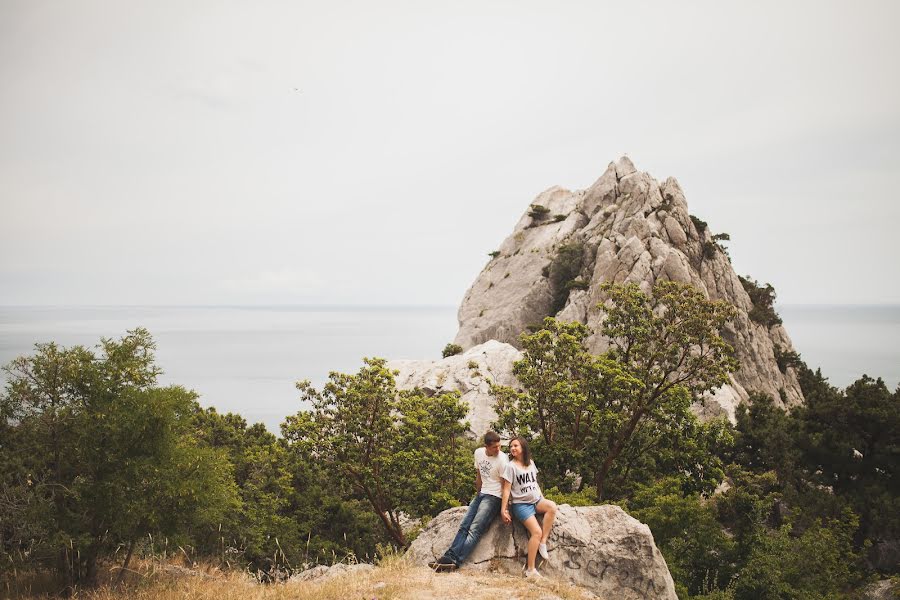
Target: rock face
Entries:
(470, 373)
(626, 227)
(598, 547)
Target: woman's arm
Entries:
(504, 500)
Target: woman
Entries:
(520, 485)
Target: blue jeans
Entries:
(482, 511)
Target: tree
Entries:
(100, 456)
(850, 442)
(402, 453)
(626, 411)
(670, 342)
(767, 439)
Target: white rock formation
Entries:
(631, 228)
(598, 547)
(320, 572)
(470, 373)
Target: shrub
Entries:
(786, 358)
(577, 284)
(564, 268)
(538, 211)
(494, 254)
(451, 349)
(558, 218)
(699, 223)
(710, 247)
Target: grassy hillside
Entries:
(394, 578)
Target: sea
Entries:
(247, 359)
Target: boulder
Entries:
(600, 548)
(630, 228)
(885, 589)
(470, 373)
(321, 572)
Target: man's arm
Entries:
(477, 482)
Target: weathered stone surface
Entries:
(882, 590)
(335, 570)
(599, 547)
(470, 373)
(633, 229)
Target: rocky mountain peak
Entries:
(626, 227)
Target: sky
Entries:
(232, 153)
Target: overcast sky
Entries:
(374, 152)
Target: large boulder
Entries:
(470, 373)
(598, 547)
(626, 227)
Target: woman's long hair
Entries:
(525, 457)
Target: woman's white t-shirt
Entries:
(524, 487)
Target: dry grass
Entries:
(394, 579)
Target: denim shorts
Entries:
(523, 511)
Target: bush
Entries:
(699, 223)
(577, 284)
(451, 349)
(786, 358)
(564, 268)
(538, 212)
(696, 548)
(817, 563)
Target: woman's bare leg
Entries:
(534, 530)
(548, 509)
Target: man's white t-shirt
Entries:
(491, 469)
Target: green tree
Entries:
(670, 342)
(624, 415)
(399, 452)
(99, 456)
(850, 442)
(767, 439)
(570, 401)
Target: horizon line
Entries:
(382, 306)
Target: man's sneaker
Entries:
(440, 566)
(542, 550)
(533, 574)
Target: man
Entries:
(490, 463)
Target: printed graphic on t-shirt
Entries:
(527, 483)
(485, 466)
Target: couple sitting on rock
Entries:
(502, 484)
